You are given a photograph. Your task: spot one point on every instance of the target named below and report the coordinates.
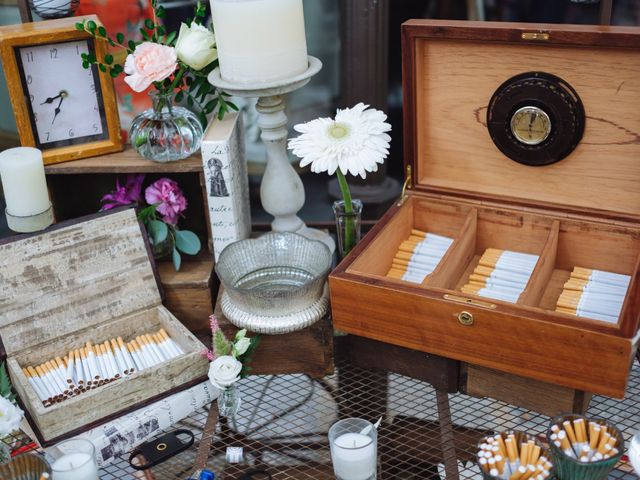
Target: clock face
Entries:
(64, 99)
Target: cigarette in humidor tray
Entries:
(102, 368)
(417, 257)
(119, 358)
(600, 276)
(126, 355)
(134, 350)
(35, 384)
(172, 343)
(113, 362)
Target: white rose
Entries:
(10, 417)
(241, 346)
(224, 371)
(196, 46)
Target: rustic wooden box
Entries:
(582, 211)
(87, 280)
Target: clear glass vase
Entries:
(165, 132)
(347, 225)
(229, 401)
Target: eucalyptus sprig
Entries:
(190, 85)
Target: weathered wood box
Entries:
(90, 279)
(583, 210)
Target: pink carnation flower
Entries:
(170, 201)
(150, 62)
(130, 193)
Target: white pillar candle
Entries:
(75, 466)
(259, 41)
(23, 181)
(354, 457)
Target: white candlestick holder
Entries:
(281, 191)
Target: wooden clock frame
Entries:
(42, 33)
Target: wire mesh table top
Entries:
(283, 422)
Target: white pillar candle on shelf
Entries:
(259, 41)
(23, 181)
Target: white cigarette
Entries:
(148, 351)
(91, 361)
(79, 375)
(156, 348)
(120, 361)
(126, 355)
(38, 375)
(100, 363)
(174, 345)
(71, 369)
(138, 356)
(36, 387)
(162, 344)
(54, 389)
(57, 377)
(113, 363)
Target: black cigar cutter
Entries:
(162, 448)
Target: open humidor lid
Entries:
(75, 275)
(451, 71)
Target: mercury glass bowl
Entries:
(274, 275)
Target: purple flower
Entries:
(170, 201)
(213, 322)
(130, 193)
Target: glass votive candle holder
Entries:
(634, 452)
(74, 459)
(513, 454)
(589, 442)
(354, 449)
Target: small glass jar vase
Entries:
(347, 225)
(165, 132)
(229, 401)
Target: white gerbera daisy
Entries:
(355, 142)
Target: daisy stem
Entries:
(348, 210)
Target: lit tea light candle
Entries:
(259, 41)
(25, 189)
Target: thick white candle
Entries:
(354, 457)
(75, 466)
(259, 41)
(23, 181)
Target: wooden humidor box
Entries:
(87, 280)
(581, 211)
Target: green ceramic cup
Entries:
(568, 468)
(521, 437)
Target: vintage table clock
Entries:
(523, 138)
(61, 108)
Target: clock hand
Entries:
(51, 99)
(62, 96)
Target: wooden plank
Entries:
(549, 399)
(440, 372)
(308, 351)
(127, 161)
(189, 293)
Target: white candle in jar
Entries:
(23, 181)
(75, 466)
(259, 41)
(354, 457)
(634, 452)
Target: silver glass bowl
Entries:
(275, 275)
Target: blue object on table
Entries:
(207, 475)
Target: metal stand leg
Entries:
(447, 440)
(208, 432)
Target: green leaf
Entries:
(221, 345)
(102, 31)
(85, 64)
(203, 120)
(5, 383)
(187, 242)
(108, 59)
(102, 68)
(113, 73)
(80, 26)
(190, 101)
(91, 26)
(120, 37)
(111, 42)
(176, 259)
(131, 45)
(158, 231)
(233, 106)
(148, 23)
(91, 58)
(160, 30)
(171, 37)
(145, 35)
(179, 96)
(161, 12)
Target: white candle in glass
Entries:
(259, 41)
(75, 466)
(23, 181)
(634, 452)
(354, 457)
